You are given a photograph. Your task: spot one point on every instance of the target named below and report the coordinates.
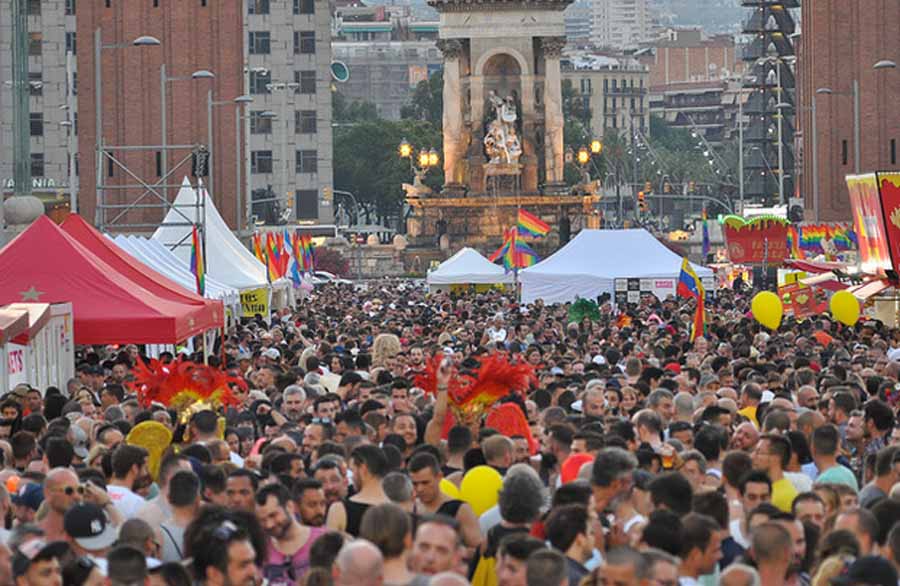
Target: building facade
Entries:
(621, 24)
(53, 101)
(288, 73)
(687, 55)
(829, 60)
(615, 90)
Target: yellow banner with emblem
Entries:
(255, 301)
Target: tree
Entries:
(348, 111)
(427, 102)
(366, 162)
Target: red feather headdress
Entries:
(470, 396)
(184, 385)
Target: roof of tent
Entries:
(12, 323)
(154, 254)
(468, 266)
(44, 264)
(227, 260)
(135, 270)
(588, 265)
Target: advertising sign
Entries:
(255, 301)
(757, 241)
(868, 222)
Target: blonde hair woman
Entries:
(385, 347)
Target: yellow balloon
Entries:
(845, 308)
(481, 488)
(767, 309)
(449, 489)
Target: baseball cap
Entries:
(81, 441)
(36, 550)
(871, 570)
(272, 354)
(30, 495)
(88, 525)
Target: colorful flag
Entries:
(273, 256)
(197, 265)
(501, 252)
(306, 247)
(516, 253)
(530, 225)
(258, 248)
(689, 285)
(705, 235)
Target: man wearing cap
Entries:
(36, 563)
(26, 501)
(89, 530)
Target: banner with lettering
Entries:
(756, 241)
(255, 301)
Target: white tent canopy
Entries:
(465, 267)
(591, 263)
(153, 254)
(227, 259)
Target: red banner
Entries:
(757, 241)
(889, 186)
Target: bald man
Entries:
(745, 437)
(739, 575)
(61, 490)
(359, 563)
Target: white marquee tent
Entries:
(467, 267)
(228, 261)
(153, 254)
(597, 261)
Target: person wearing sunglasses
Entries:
(223, 555)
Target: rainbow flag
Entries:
(273, 256)
(530, 225)
(198, 267)
(689, 285)
(306, 248)
(705, 235)
(516, 254)
(258, 248)
(501, 252)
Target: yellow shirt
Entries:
(750, 413)
(783, 494)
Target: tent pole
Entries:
(205, 349)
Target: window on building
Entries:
(614, 85)
(305, 122)
(307, 204)
(34, 8)
(35, 40)
(70, 43)
(304, 6)
(159, 163)
(632, 104)
(307, 81)
(37, 164)
(304, 42)
(307, 162)
(74, 83)
(77, 165)
(257, 6)
(605, 86)
(893, 151)
(35, 84)
(259, 82)
(75, 123)
(260, 43)
(70, 7)
(261, 161)
(586, 86)
(260, 124)
(37, 123)
(110, 167)
(844, 152)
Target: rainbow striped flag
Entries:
(198, 267)
(516, 254)
(530, 225)
(258, 248)
(273, 256)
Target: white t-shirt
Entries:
(128, 502)
(734, 528)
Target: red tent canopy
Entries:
(43, 264)
(134, 270)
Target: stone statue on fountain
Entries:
(501, 142)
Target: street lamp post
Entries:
(419, 163)
(239, 189)
(142, 41)
(163, 80)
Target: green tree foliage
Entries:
(367, 164)
(348, 111)
(427, 102)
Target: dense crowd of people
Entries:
(744, 457)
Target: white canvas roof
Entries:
(588, 265)
(153, 254)
(227, 259)
(468, 266)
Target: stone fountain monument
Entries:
(503, 126)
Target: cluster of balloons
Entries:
(768, 310)
(480, 487)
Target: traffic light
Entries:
(200, 162)
(667, 187)
(642, 202)
(648, 187)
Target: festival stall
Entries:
(622, 263)
(466, 269)
(227, 259)
(43, 354)
(136, 271)
(43, 264)
(161, 259)
(12, 359)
